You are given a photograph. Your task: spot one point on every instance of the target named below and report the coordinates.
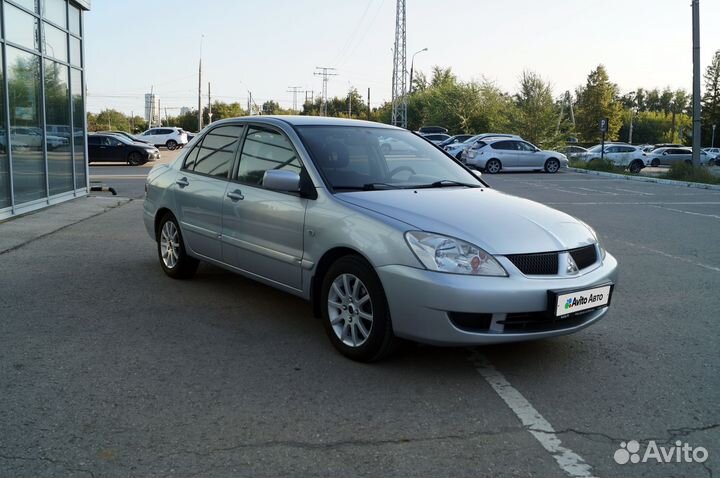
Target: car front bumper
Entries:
(422, 303)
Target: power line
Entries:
(325, 76)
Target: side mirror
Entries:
(664, 153)
(278, 180)
(477, 173)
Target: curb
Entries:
(647, 179)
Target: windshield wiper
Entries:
(366, 187)
(443, 183)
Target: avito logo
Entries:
(575, 301)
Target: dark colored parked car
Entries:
(114, 148)
(433, 130)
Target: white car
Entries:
(713, 154)
(169, 137)
(621, 154)
(33, 137)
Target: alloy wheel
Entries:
(350, 310)
(169, 245)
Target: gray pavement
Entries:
(109, 368)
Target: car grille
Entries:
(546, 263)
(536, 264)
(541, 322)
(584, 256)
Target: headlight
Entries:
(447, 254)
(603, 253)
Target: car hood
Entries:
(497, 222)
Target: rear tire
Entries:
(635, 167)
(171, 250)
(354, 311)
(552, 166)
(171, 144)
(493, 166)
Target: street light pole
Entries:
(412, 63)
(712, 144)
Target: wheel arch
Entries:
(159, 214)
(328, 258)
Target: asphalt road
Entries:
(109, 368)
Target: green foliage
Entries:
(687, 172)
(652, 127)
(109, 120)
(711, 101)
(598, 99)
(537, 113)
(602, 165)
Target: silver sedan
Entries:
(385, 245)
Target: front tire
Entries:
(493, 166)
(135, 159)
(355, 312)
(552, 166)
(655, 163)
(171, 250)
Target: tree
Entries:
(270, 107)
(111, 120)
(711, 99)
(536, 111)
(222, 110)
(598, 99)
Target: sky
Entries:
(265, 47)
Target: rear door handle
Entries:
(182, 182)
(236, 195)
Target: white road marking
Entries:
(570, 462)
(714, 216)
(671, 256)
(634, 192)
(597, 191)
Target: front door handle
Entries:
(182, 182)
(236, 195)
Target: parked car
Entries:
(621, 154)
(432, 130)
(127, 136)
(436, 138)
(170, 137)
(389, 144)
(496, 154)
(308, 205)
(575, 152)
(456, 150)
(713, 155)
(670, 156)
(457, 139)
(32, 137)
(113, 148)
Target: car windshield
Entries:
(351, 158)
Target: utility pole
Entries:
(294, 90)
(696, 82)
(324, 73)
(399, 84)
(200, 125)
(368, 114)
(350, 103)
(712, 143)
(209, 106)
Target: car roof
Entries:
(296, 120)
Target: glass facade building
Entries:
(43, 142)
